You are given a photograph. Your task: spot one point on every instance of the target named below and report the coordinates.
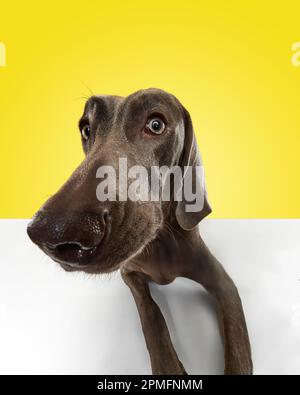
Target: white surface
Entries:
(52, 322)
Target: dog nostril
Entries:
(106, 220)
(105, 215)
(71, 252)
(67, 247)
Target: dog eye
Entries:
(155, 125)
(86, 132)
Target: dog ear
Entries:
(190, 213)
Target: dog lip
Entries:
(69, 265)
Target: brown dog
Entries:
(148, 241)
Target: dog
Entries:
(147, 241)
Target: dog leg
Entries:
(164, 359)
(210, 273)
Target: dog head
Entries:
(99, 219)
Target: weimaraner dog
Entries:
(148, 241)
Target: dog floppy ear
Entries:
(190, 212)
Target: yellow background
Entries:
(228, 62)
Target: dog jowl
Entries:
(110, 215)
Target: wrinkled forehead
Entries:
(109, 108)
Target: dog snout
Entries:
(69, 238)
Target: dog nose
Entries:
(72, 238)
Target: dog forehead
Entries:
(152, 98)
(108, 106)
